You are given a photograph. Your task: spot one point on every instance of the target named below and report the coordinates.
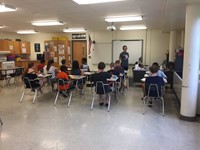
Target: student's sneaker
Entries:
(101, 104)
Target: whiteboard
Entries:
(102, 52)
(135, 48)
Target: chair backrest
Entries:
(18, 72)
(99, 87)
(153, 86)
(62, 82)
(27, 82)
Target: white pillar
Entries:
(191, 63)
(182, 38)
(172, 45)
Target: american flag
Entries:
(90, 45)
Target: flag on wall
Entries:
(90, 45)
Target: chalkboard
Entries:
(102, 52)
(135, 48)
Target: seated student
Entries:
(84, 65)
(31, 74)
(112, 65)
(118, 69)
(63, 75)
(102, 76)
(41, 65)
(159, 73)
(137, 67)
(50, 69)
(76, 71)
(63, 62)
(152, 79)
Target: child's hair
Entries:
(30, 65)
(50, 62)
(124, 47)
(63, 61)
(155, 64)
(117, 62)
(136, 63)
(42, 61)
(75, 65)
(153, 69)
(63, 68)
(101, 65)
(84, 60)
(112, 64)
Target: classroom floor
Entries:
(41, 126)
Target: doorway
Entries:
(79, 50)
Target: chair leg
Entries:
(1, 122)
(69, 101)
(144, 105)
(56, 98)
(35, 96)
(108, 102)
(22, 96)
(163, 106)
(92, 101)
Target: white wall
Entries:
(156, 43)
(9, 35)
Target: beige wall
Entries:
(156, 42)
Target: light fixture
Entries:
(123, 18)
(111, 28)
(2, 26)
(74, 30)
(7, 8)
(47, 23)
(27, 32)
(84, 2)
(133, 27)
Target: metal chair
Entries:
(5, 79)
(62, 82)
(1, 122)
(153, 91)
(102, 85)
(27, 85)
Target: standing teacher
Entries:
(124, 57)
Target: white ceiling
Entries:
(157, 14)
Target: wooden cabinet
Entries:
(6, 45)
(25, 63)
(15, 47)
(25, 48)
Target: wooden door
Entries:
(79, 50)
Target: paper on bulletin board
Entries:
(61, 49)
(61, 58)
(55, 59)
(69, 52)
(55, 48)
(52, 54)
(10, 47)
(23, 50)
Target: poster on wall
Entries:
(37, 47)
(61, 49)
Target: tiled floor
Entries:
(41, 126)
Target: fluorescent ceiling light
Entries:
(2, 26)
(7, 8)
(27, 32)
(83, 2)
(123, 18)
(74, 30)
(47, 23)
(133, 27)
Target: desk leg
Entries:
(1, 122)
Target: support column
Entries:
(191, 63)
(182, 38)
(172, 45)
